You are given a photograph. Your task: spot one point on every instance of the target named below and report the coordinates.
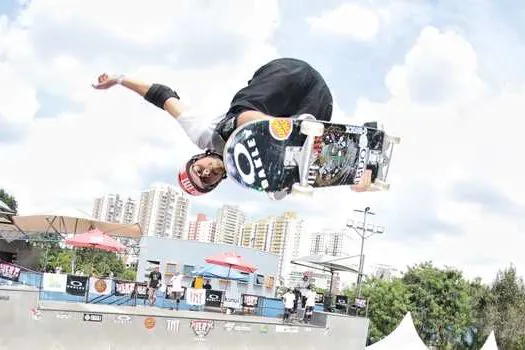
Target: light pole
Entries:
(364, 229)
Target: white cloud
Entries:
(347, 20)
(116, 137)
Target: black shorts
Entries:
(281, 88)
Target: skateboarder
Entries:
(284, 88)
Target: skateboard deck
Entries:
(274, 155)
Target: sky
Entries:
(445, 76)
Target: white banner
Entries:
(195, 296)
(100, 286)
(232, 299)
(54, 282)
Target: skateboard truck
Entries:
(311, 129)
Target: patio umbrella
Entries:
(231, 260)
(95, 239)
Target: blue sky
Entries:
(442, 75)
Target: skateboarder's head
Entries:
(202, 173)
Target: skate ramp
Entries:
(79, 327)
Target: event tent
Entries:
(404, 337)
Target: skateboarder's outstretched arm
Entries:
(160, 95)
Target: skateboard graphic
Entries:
(285, 155)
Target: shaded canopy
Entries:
(326, 263)
(73, 221)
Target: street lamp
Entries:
(362, 232)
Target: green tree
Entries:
(89, 261)
(388, 303)
(9, 200)
(504, 311)
(440, 303)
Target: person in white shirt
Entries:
(283, 88)
(176, 288)
(288, 298)
(310, 303)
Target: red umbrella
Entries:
(95, 239)
(232, 261)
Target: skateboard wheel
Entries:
(393, 139)
(380, 185)
(311, 128)
(302, 190)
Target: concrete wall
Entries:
(124, 328)
(193, 253)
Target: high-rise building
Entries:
(333, 243)
(163, 211)
(108, 208)
(202, 229)
(280, 235)
(229, 222)
(130, 212)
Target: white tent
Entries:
(404, 337)
(490, 343)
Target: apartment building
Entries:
(163, 211)
(229, 222)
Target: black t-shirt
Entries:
(283, 87)
(154, 279)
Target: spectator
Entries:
(207, 285)
(310, 303)
(155, 278)
(198, 282)
(304, 290)
(289, 301)
(176, 288)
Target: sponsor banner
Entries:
(249, 300)
(232, 300)
(9, 272)
(169, 293)
(88, 317)
(319, 298)
(124, 288)
(360, 303)
(213, 298)
(54, 282)
(100, 286)
(196, 297)
(142, 290)
(76, 285)
(341, 300)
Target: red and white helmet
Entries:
(186, 182)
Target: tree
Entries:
(440, 302)
(9, 200)
(388, 302)
(504, 311)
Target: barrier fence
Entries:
(95, 290)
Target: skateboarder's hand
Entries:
(105, 81)
(364, 184)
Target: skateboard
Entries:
(296, 155)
